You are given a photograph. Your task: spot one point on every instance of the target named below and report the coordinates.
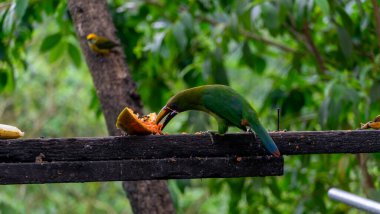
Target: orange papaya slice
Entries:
(132, 124)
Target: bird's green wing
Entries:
(225, 104)
(104, 43)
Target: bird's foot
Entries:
(253, 132)
(210, 133)
(254, 136)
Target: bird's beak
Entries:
(165, 111)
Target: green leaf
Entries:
(50, 41)
(260, 64)
(8, 23)
(236, 186)
(218, 70)
(248, 55)
(294, 102)
(3, 50)
(346, 20)
(188, 22)
(254, 15)
(180, 35)
(324, 5)
(299, 13)
(7, 79)
(57, 53)
(191, 75)
(374, 92)
(247, 19)
(95, 103)
(206, 69)
(234, 26)
(153, 46)
(3, 79)
(345, 42)
(256, 63)
(274, 187)
(74, 54)
(213, 68)
(270, 16)
(21, 6)
(3, 15)
(60, 12)
(50, 6)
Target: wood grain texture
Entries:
(185, 146)
(166, 156)
(132, 170)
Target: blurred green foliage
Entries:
(316, 60)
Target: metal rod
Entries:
(278, 119)
(354, 200)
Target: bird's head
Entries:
(92, 37)
(183, 101)
(171, 109)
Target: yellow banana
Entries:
(10, 132)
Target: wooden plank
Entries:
(328, 142)
(185, 146)
(151, 169)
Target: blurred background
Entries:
(316, 60)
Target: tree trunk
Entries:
(116, 90)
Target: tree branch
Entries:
(275, 44)
(309, 40)
(116, 90)
(306, 38)
(251, 35)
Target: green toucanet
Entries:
(225, 104)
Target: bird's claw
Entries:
(210, 133)
(253, 132)
(254, 136)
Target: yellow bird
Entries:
(372, 124)
(100, 45)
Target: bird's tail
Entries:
(264, 136)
